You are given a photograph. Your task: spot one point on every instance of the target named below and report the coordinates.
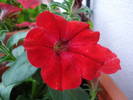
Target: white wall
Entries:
(84, 1)
(114, 19)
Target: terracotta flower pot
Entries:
(110, 90)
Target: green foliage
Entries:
(20, 70)
(54, 5)
(67, 7)
(9, 24)
(5, 91)
(68, 11)
(74, 94)
(8, 56)
(13, 40)
(91, 24)
(28, 15)
(6, 50)
(3, 34)
(12, 2)
(85, 10)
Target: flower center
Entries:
(60, 46)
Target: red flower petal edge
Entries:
(67, 52)
(26, 24)
(7, 10)
(30, 3)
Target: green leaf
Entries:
(18, 51)
(85, 10)
(4, 59)
(57, 13)
(15, 39)
(74, 94)
(68, 3)
(8, 54)
(19, 71)
(91, 24)
(57, 4)
(3, 34)
(5, 91)
(4, 49)
(21, 97)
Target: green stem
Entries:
(94, 89)
(49, 7)
(70, 11)
(93, 94)
(71, 8)
(34, 87)
(3, 23)
(3, 59)
(6, 51)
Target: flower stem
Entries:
(6, 51)
(94, 89)
(71, 8)
(93, 94)
(3, 24)
(70, 11)
(34, 87)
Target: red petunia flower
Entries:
(30, 3)
(67, 51)
(7, 10)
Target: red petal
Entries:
(111, 66)
(59, 75)
(101, 53)
(71, 73)
(53, 23)
(109, 61)
(39, 37)
(26, 24)
(88, 67)
(84, 43)
(39, 56)
(38, 47)
(30, 3)
(73, 28)
(7, 10)
(85, 38)
(51, 73)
